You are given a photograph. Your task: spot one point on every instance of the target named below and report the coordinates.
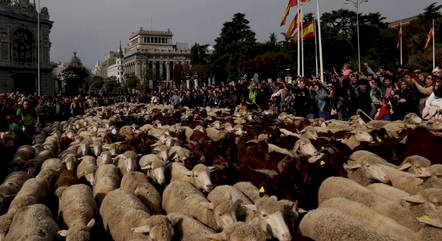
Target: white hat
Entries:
(437, 69)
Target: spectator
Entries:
(384, 110)
(433, 105)
(363, 100)
(251, 101)
(279, 95)
(425, 89)
(404, 101)
(28, 116)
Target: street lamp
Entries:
(38, 49)
(357, 3)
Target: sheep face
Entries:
(270, 214)
(158, 175)
(225, 213)
(201, 176)
(305, 147)
(373, 171)
(362, 136)
(277, 226)
(158, 228)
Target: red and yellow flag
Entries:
(293, 27)
(429, 37)
(399, 36)
(290, 4)
(308, 31)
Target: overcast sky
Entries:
(94, 27)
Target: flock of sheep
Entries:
(91, 178)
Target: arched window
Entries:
(23, 47)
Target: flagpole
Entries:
(321, 61)
(400, 44)
(316, 48)
(299, 46)
(38, 50)
(302, 41)
(434, 47)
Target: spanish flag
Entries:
(290, 4)
(309, 30)
(399, 36)
(429, 37)
(293, 27)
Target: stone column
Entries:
(161, 70)
(168, 71)
(154, 69)
(138, 69)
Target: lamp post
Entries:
(38, 49)
(357, 3)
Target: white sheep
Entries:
(333, 187)
(87, 168)
(77, 207)
(11, 185)
(126, 217)
(127, 162)
(137, 183)
(189, 228)
(183, 197)
(391, 193)
(155, 167)
(104, 158)
(370, 218)
(241, 231)
(70, 160)
(414, 164)
(199, 176)
(106, 180)
(248, 189)
(271, 217)
(330, 224)
(32, 223)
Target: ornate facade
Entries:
(154, 53)
(18, 47)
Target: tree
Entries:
(235, 43)
(75, 78)
(131, 81)
(198, 54)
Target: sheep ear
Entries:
(250, 207)
(352, 166)
(430, 221)
(254, 221)
(189, 173)
(62, 233)
(217, 236)
(147, 167)
(212, 168)
(90, 224)
(417, 199)
(207, 205)
(141, 229)
(174, 220)
(405, 166)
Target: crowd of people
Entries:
(381, 95)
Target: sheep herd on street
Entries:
(143, 172)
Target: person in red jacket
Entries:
(383, 111)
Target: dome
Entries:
(75, 61)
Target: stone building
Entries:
(154, 52)
(18, 47)
(116, 69)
